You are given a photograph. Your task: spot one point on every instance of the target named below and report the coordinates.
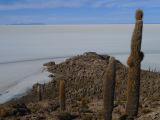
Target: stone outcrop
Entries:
(83, 77)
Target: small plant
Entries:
(87, 116)
(84, 107)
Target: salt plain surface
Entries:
(24, 49)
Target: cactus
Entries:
(3, 112)
(109, 88)
(39, 92)
(134, 70)
(62, 95)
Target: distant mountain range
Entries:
(27, 24)
(67, 24)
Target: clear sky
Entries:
(77, 11)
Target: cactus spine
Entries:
(62, 95)
(109, 88)
(134, 63)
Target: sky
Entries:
(77, 11)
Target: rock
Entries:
(66, 116)
(51, 76)
(41, 117)
(150, 116)
(49, 64)
(19, 110)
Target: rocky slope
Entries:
(83, 77)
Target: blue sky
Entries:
(77, 11)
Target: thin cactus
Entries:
(62, 95)
(109, 88)
(39, 92)
(134, 70)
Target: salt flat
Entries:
(24, 48)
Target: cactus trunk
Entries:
(134, 70)
(62, 95)
(39, 92)
(109, 88)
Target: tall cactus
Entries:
(39, 92)
(109, 88)
(134, 70)
(62, 95)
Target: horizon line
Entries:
(72, 23)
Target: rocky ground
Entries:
(83, 77)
